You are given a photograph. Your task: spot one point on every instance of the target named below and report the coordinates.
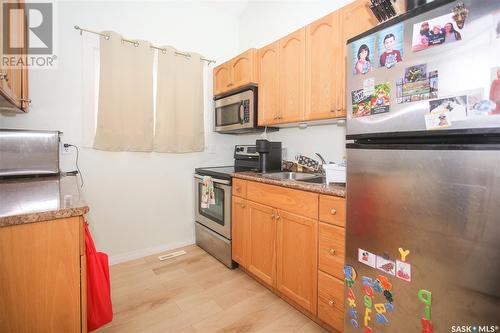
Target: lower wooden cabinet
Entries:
(280, 240)
(261, 242)
(238, 233)
(42, 277)
(296, 259)
(331, 301)
(331, 249)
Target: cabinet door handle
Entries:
(4, 77)
(331, 302)
(333, 211)
(243, 205)
(278, 216)
(273, 216)
(332, 252)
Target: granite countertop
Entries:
(336, 190)
(28, 200)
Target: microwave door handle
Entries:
(242, 112)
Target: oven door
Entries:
(216, 217)
(235, 112)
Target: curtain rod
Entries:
(136, 43)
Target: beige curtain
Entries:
(179, 103)
(125, 114)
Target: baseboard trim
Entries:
(136, 254)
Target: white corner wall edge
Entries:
(132, 255)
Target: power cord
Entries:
(66, 145)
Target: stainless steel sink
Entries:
(315, 180)
(289, 175)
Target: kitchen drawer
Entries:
(240, 187)
(332, 210)
(290, 200)
(331, 249)
(331, 301)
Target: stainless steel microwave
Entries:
(236, 112)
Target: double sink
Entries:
(298, 176)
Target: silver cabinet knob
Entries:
(332, 252)
(331, 302)
(333, 211)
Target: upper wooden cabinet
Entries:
(292, 50)
(14, 81)
(324, 47)
(237, 72)
(268, 84)
(356, 19)
(311, 77)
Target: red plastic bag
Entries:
(99, 308)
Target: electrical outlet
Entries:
(65, 150)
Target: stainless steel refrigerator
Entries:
(423, 172)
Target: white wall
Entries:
(139, 202)
(263, 22)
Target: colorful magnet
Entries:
(384, 282)
(377, 287)
(350, 273)
(350, 294)
(353, 313)
(391, 45)
(368, 290)
(367, 330)
(403, 253)
(381, 319)
(368, 301)
(426, 326)
(454, 107)
(380, 307)
(367, 281)
(352, 302)
(388, 296)
(460, 13)
(367, 317)
(434, 32)
(403, 271)
(367, 258)
(354, 323)
(387, 266)
(389, 307)
(425, 297)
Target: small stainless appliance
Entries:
(269, 155)
(213, 224)
(29, 153)
(236, 112)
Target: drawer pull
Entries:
(333, 211)
(332, 252)
(243, 205)
(331, 302)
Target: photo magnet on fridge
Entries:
(367, 258)
(403, 270)
(381, 98)
(385, 265)
(437, 120)
(390, 45)
(415, 73)
(434, 32)
(454, 107)
(361, 105)
(362, 55)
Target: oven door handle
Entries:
(215, 180)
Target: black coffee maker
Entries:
(269, 155)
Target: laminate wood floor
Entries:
(196, 293)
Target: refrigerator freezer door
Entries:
(465, 68)
(443, 206)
